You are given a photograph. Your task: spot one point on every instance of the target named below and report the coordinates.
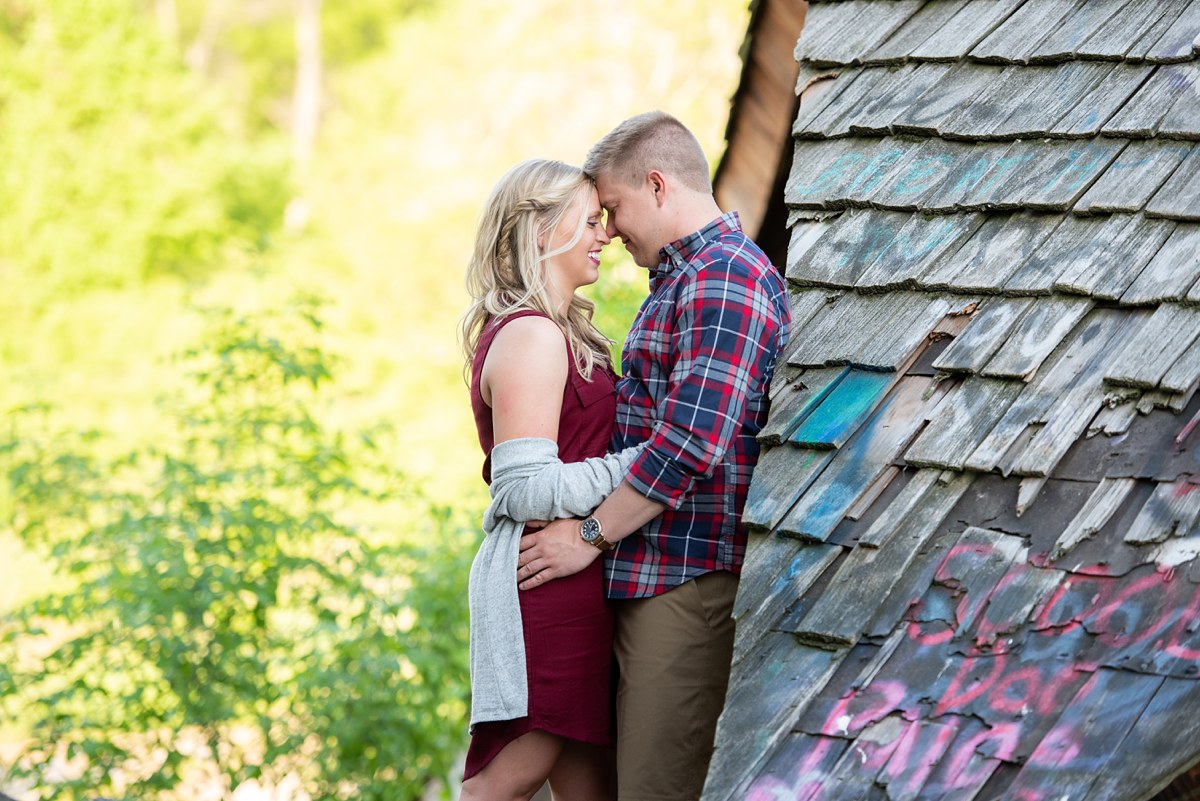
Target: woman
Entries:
(543, 395)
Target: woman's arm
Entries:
(523, 378)
(530, 482)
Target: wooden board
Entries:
(806, 303)
(835, 115)
(968, 169)
(858, 463)
(912, 184)
(1183, 120)
(1179, 197)
(1172, 272)
(1102, 505)
(851, 176)
(965, 30)
(763, 701)
(921, 242)
(1161, 744)
(1042, 96)
(813, 103)
(868, 575)
(825, 335)
(930, 19)
(1182, 376)
(780, 478)
(896, 90)
(1065, 369)
(961, 422)
(1017, 38)
(1061, 174)
(1064, 423)
(891, 518)
(1095, 722)
(993, 253)
(1141, 115)
(983, 558)
(1137, 173)
(846, 248)
(861, 34)
(1035, 336)
(1076, 244)
(1114, 418)
(791, 406)
(1170, 12)
(989, 328)
(1011, 603)
(1017, 89)
(1117, 36)
(1171, 509)
(804, 234)
(796, 769)
(1158, 344)
(945, 98)
(897, 339)
(1088, 19)
(824, 24)
(1178, 42)
(1103, 100)
(777, 571)
(1106, 272)
(819, 169)
(844, 409)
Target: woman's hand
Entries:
(554, 552)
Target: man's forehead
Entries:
(610, 189)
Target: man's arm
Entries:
(723, 341)
(558, 550)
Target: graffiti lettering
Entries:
(981, 706)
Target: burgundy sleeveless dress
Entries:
(567, 624)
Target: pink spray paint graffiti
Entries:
(992, 694)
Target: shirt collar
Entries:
(678, 253)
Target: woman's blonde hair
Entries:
(507, 271)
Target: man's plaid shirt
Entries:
(696, 367)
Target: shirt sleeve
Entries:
(724, 338)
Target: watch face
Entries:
(590, 529)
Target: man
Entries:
(696, 367)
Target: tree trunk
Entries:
(306, 100)
(199, 52)
(168, 19)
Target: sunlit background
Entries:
(165, 161)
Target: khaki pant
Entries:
(673, 653)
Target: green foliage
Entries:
(116, 164)
(256, 594)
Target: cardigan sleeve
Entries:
(530, 482)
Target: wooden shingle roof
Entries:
(973, 570)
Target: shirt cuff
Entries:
(660, 479)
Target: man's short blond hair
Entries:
(651, 141)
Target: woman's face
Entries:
(578, 266)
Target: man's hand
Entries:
(554, 552)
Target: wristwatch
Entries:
(591, 532)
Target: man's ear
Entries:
(658, 185)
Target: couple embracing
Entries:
(611, 624)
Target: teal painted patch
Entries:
(846, 407)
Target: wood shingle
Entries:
(974, 570)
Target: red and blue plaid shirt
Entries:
(696, 367)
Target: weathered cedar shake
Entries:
(975, 566)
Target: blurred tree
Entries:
(116, 164)
(259, 596)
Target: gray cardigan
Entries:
(529, 482)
